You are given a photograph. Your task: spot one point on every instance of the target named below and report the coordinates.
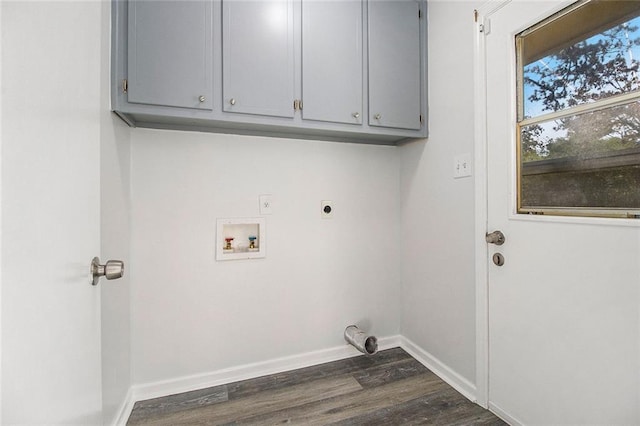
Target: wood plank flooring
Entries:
(389, 388)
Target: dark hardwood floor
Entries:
(389, 388)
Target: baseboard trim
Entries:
(250, 371)
(456, 381)
(504, 415)
(125, 409)
(279, 365)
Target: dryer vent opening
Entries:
(366, 344)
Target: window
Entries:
(578, 122)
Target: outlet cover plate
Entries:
(462, 166)
(266, 204)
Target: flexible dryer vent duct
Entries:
(360, 340)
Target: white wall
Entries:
(115, 239)
(437, 219)
(193, 314)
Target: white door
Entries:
(564, 335)
(51, 369)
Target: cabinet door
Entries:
(258, 57)
(394, 64)
(332, 60)
(170, 53)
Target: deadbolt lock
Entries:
(498, 259)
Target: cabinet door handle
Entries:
(201, 98)
(232, 101)
(356, 115)
(377, 116)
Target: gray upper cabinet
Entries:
(258, 57)
(335, 70)
(394, 64)
(170, 54)
(332, 61)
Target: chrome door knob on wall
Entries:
(112, 270)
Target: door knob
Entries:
(495, 237)
(112, 270)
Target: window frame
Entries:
(588, 107)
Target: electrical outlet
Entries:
(326, 209)
(266, 204)
(462, 166)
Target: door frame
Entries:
(1, 215)
(481, 29)
(1, 86)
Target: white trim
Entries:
(489, 8)
(125, 409)
(577, 220)
(455, 380)
(504, 416)
(481, 207)
(480, 166)
(612, 102)
(250, 371)
(0, 211)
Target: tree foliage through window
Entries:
(599, 67)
